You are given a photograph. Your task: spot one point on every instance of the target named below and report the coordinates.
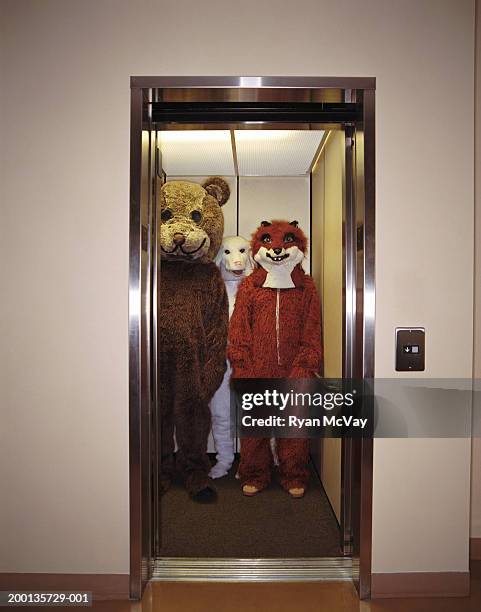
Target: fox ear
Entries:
(265, 223)
(294, 223)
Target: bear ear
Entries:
(266, 223)
(294, 223)
(217, 188)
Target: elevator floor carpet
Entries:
(271, 524)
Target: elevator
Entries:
(288, 147)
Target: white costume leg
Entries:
(222, 427)
(275, 458)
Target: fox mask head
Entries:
(279, 246)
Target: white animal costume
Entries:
(234, 262)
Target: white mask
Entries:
(233, 258)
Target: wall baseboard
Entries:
(103, 586)
(475, 549)
(420, 584)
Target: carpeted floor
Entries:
(270, 524)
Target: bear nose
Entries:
(179, 239)
(277, 251)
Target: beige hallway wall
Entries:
(64, 123)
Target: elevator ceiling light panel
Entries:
(196, 152)
(276, 152)
(251, 152)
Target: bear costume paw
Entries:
(207, 495)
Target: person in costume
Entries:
(275, 332)
(193, 322)
(234, 262)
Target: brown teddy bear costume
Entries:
(193, 324)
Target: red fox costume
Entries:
(275, 332)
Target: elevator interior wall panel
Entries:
(279, 197)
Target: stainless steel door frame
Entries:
(358, 317)
(154, 371)
(140, 389)
(157, 181)
(141, 395)
(349, 274)
(365, 184)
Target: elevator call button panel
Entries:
(410, 349)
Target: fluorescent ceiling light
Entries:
(259, 152)
(196, 152)
(276, 152)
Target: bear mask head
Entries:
(192, 223)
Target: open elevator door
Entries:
(144, 276)
(141, 386)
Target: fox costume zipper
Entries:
(277, 327)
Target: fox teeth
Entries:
(277, 258)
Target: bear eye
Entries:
(289, 237)
(196, 215)
(227, 252)
(242, 250)
(166, 215)
(266, 238)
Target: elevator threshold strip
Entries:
(206, 569)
